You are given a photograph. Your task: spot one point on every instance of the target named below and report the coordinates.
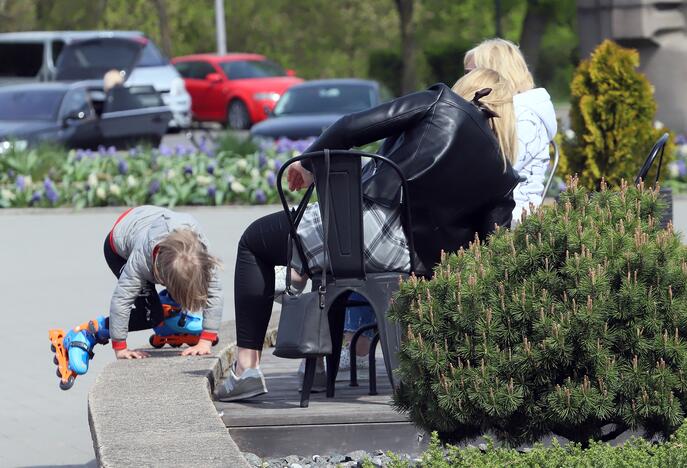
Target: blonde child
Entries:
(148, 245)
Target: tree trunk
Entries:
(408, 76)
(165, 34)
(533, 28)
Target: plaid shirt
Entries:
(384, 240)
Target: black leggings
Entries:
(262, 247)
(147, 311)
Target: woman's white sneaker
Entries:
(250, 384)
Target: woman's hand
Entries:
(130, 354)
(203, 347)
(298, 177)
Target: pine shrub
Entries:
(612, 116)
(574, 320)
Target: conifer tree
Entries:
(612, 116)
(574, 320)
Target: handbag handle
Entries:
(296, 216)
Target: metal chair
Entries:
(552, 173)
(347, 270)
(665, 193)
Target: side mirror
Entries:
(72, 117)
(214, 77)
(290, 72)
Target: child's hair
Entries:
(499, 100)
(185, 267)
(504, 57)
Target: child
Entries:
(147, 245)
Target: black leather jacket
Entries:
(457, 181)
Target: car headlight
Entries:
(266, 96)
(177, 87)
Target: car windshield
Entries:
(30, 105)
(93, 58)
(241, 69)
(338, 99)
(151, 57)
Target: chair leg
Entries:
(373, 362)
(308, 379)
(337, 315)
(352, 351)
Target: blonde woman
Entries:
(534, 113)
(460, 185)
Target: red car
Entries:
(235, 89)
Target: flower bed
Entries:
(51, 177)
(676, 177)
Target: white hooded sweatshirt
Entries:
(535, 126)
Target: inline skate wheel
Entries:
(52, 348)
(175, 345)
(215, 341)
(154, 344)
(68, 384)
(59, 374)
(55, 361)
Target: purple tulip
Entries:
(271, 179)
(277, 164)
(561, 186)
(262, 160)
(88, 153)
(212, 191)
(188, 169)
(111, 150)
(102, 150)
(133, 151)
(10, 173)
(79, 154)
(260, 196)
(21, 183)
(211, 168)
(166, 150)
(50, 192)
(681, 139)
(36, 197)
(154, 187)
(123, 167)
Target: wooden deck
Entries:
(275, 425)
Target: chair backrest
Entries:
(345, 231)
(657, 150)
(552, 172)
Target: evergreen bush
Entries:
(574, 320)
(612, 116)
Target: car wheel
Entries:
(237, 116)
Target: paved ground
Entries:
(53, 275)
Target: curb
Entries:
(159, 411)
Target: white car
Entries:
(85, 55)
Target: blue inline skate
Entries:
(178, 327)
(74, 349)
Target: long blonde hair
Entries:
(185, 267)
(504, 57)
(499, 100)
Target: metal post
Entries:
(221, 27)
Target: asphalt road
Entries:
(54, 275)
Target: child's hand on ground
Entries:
(203, 347)
(130, 354)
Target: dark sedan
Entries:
(307, 109)
(81, 115)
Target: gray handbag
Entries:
(304, 323)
